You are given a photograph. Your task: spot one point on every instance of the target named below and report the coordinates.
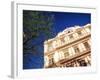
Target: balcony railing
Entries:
(87, 51)
(67, 59)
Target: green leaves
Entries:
(35, 23)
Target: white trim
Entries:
(14, 69)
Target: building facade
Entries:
(70, 48)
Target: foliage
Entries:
(35, 25)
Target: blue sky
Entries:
(62, 20)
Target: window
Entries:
(69, 31)
(61, 55)
(62, 40)
(79, 33)
(87, 46)
(66, 52)
(51, 61)
(76, 49)
(71, 36)
(82, 63)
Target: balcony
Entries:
(77, 55)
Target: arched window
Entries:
(79, 33)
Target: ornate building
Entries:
(70, 48)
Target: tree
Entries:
(36, 25)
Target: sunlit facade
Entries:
(70, 48)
